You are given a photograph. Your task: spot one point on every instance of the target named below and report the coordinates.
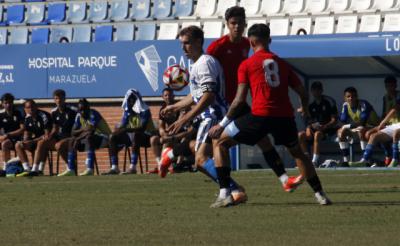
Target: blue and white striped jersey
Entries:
(206, 75)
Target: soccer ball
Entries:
(176, 77)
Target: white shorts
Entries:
(202, 133)
(391, 129)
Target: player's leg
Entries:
(40, 156)
(71, 145)
(20, 147)
(344, 134)
(116, 141)
(275, 162)
(304, 137)
(374, 139)
(6, 147)
(395, 147)
(156, 146)
(318, 136)
(284, 131)
(362, 134)
(93, 142)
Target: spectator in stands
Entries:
(12, 125)
(136, 130)
(358, 116)
(322, 122)
(37, 126)
(90, 132)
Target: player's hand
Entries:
(215, 131)
(176, 126)
(167, 110)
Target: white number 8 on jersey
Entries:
(271, 72)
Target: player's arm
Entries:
(303, 95)
(385, 120)
(206, 100)
(17, 132)
(182, 104)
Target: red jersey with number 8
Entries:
(269, 78)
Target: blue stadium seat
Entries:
(58, 32)
(3, 36)
(35, 13)
(162, 9)
(56, 12)
(76, 12)
(18, 35)
(140, 10)
(183, 8)
(82, 34)
(124, 32)
(12, 1)
(146, 31)
(34, 0)
(103, 33)
(15, 14)
(98, 11)
(40, 36)
(119, 10)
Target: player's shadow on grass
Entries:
(394, 190)
(335, 203)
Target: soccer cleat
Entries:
(292, 183)
(66, 173)
(130, 171)
(387, 161)
(165, 162)
(322, 199)
(111, 172)
(153, 171)
(358, 164)
(34, 173)
(222, 202)
(87, 172)
(25, 173)
(394, 163)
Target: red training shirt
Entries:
(230, 55)
(269, 78)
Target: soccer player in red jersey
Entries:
(269, 79)
(231, 50)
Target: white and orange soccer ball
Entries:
(176, 77)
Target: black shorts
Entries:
(13, 140)
(139, 138)
(250, 129)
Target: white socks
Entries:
(26, 166)
(284, 178)
(363, 144)
(315, 158)
(224, 193)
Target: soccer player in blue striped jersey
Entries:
(206, 96)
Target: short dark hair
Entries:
(316, 85)
(260, 31)
(84, 102)
(235, 11)
(351, 90)
(7, 97)
(59, 93)
(31, 101)
(167, 89)
(194, 32)
(390, 79)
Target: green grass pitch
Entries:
(147, 210)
